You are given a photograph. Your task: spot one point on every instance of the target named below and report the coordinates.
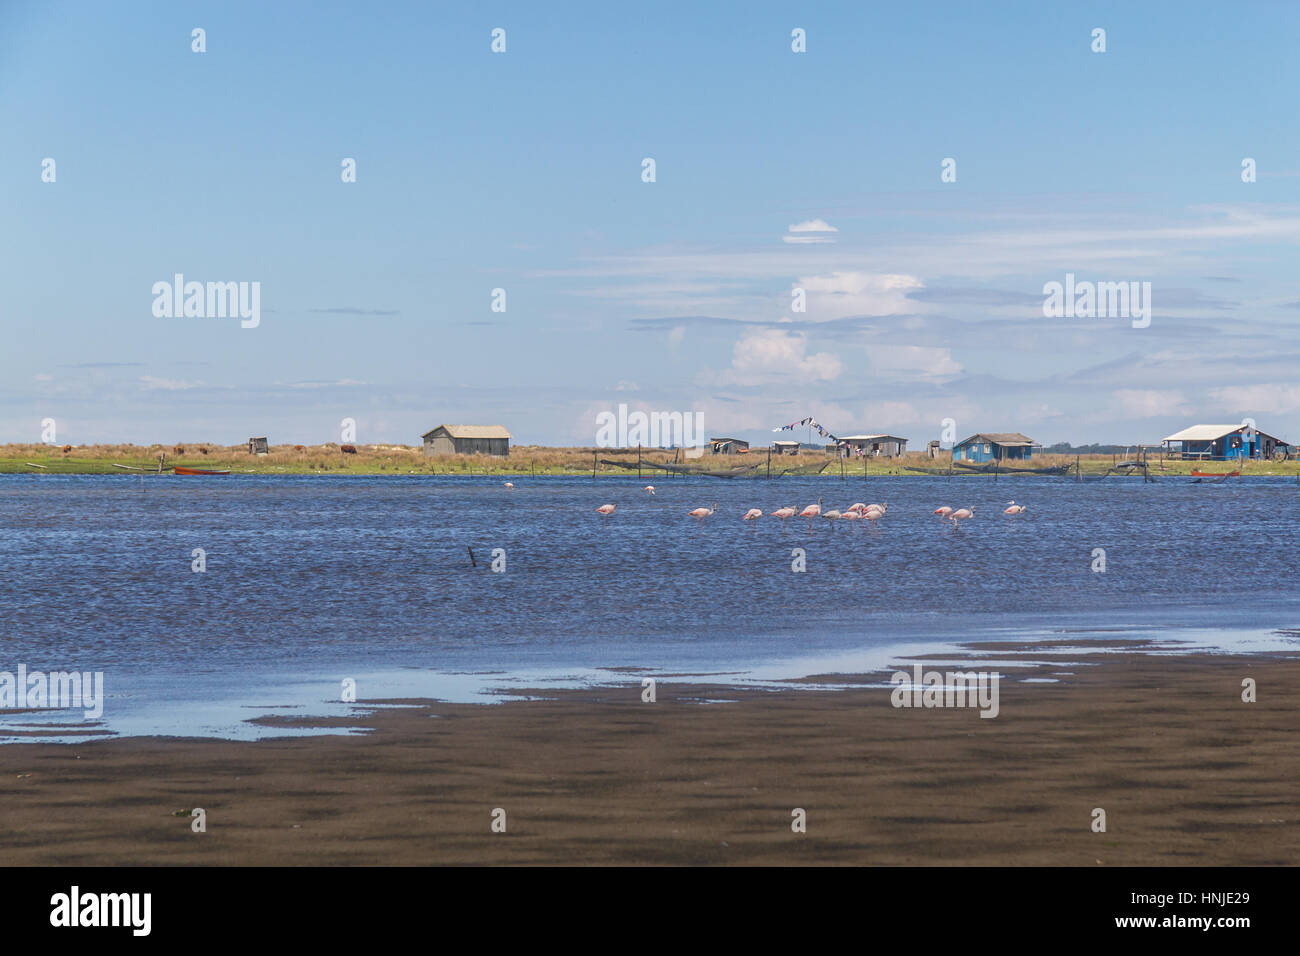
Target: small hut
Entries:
(994, 446)
(467, 440)
(873, 446)
(728, 446)
(258, 446)
(785, 448)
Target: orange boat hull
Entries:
(1214, 474)
(182, 470)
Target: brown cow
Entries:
(348, 449)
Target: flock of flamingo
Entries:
(868, 514)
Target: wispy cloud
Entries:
(350, 310)
(104, 365)
(810, 232)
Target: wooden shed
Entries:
(258, 446)
(728, 446)
(873, 446)
(468, 440)
(785, 448)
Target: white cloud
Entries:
(775, 355)
(1148, 403)
(152, 383)
(341, 383)
(913, 361)
(1269, 398)
(811, 231)
(813, 225)
(888, 414)
(837, 294)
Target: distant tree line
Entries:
(1065, 448)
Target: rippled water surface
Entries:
(314, 576)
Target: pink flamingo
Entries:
(961, 514)
(872, 515)
(1015, 509)
(699, 514)
(752, 514)
(832, 514)
(783, 513)
(852, 515)
(812, 511)
(605, 510)
(943, 512)
(510, 484)
(856, 506)
(649, 488)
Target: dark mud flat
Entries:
(1187, 774)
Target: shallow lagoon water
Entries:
(312, 579)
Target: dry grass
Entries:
(528, 460)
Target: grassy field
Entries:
(524, 460)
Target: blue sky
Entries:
(522, 171)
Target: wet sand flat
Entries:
(1186, 772)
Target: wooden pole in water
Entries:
(472, 562)
(841, 467)
(593, 466)
(638, 459)
(769, 463)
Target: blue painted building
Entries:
(1242, 442)
(994, 446)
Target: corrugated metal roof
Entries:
(1000, 438)
(472, 431)
(1203, 433)
(870, 438)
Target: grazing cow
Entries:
(178, 450)
(348, 449)
(67, 448)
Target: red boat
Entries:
(182, 470)
(1214, 474)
